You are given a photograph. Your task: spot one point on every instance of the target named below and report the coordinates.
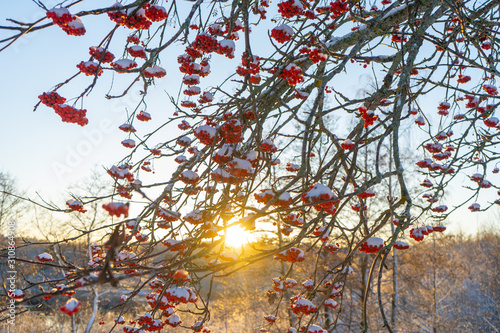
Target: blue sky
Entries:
(45, 154)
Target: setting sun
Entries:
(236, 236)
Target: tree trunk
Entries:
(434, 286)
(395, 291)
(328, 319)
(291, 316)
(94, 311)
(363, 289)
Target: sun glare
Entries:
(236, 237)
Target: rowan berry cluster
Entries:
(155, 71)
(206, 134)
(132, 18)
(191, 91)
(89, 68)
(137, 51)
(75, 205)
(293, 219)
(249, 67)
(292, 74)
(419, 232)
(301, 305)
(316, 56)
(205, 43)
(123, 65)
(143, 116)
(72, 306)
(400, 245)
(69, 23)
(321, 197)
(372, 245)
(51, 98)
(231, 131)
(156, 13)
(282, 33)
(463, 78)
(292, 255)
(100, 54)
(70, 114)
(240, 168)
(116, 209)
(290, 8)
(368, 116)
(189, 177)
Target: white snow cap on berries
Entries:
(208, 96)
(221, 172)
(314, 329)
(242, 165)
(124, 64)
(205, 128)
(174, 319)
(285, 28)
(308, 283)
(185, 140)
(125, 255)
(76, 24)
(156, 70)
(192, 77)
(227, 43)
(136, 48)
(330, 303)
(138, 12)
(60, 11)
(190, 174)
(178, 292)
(375, 241)
(285, 196)
(305, 303)
(128, 143)
(16, 294)
(318, 190)
(71, 306)
(44, 257)
(195, 90)
(252, 155)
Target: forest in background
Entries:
(448, 283)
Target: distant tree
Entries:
(10, 201)
(87, 224)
